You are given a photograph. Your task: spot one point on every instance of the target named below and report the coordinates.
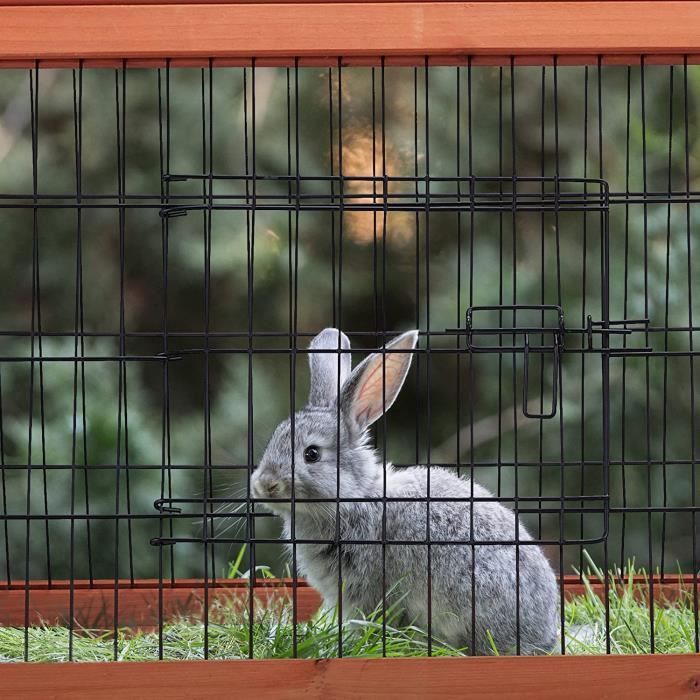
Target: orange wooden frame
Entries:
(65, 33)
(144, 32)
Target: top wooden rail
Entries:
(194, 32)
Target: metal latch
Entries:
(543, 334)
(618, 327)
(534, 337)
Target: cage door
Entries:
(537, 337)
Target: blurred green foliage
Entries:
(316, 269)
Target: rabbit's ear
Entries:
(375, 383)
(323, 390)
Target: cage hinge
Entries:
(163, 541)
(170, 212)
(171, 177)
(617, 327)
(160, 505)
(170, 356)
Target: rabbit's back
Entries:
(462, 573)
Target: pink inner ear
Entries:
(369, 398)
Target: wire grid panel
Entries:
(170, 279)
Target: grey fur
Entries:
(460, 574)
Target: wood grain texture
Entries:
(513, 678)
(40, 3)
(139, 602)
(351, 30)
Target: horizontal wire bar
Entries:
(338, 208)
(433, 465)
(180, 355)
(309, 334)
(568, 510)
(368, 542)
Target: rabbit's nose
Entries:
(265, 487)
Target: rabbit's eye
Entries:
(312, 454)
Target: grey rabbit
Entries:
(365, 394)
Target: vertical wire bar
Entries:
(501, 280)
(691, 361)
(206, 261)
(584, 297)
(562, 485)
(164, 157)
(341, 217)
(652, 640)
(664, 419)
(339, 355)
(459, 320)
(605, 303)
(516, 495)
(250, 520)
(417, 254)
(34, 109)
(417, 278)
(168, 151)
(470, 138)
(80, 310)
(251, 332)
(42, 411)
(540, 437)
(78, 346)
(209, 159)
(210, 205)
(119, 113)
(37, 302)
(427, 351)
(122, 322)
(293, 224)
(295, 319)
(385, 193)
(375, 300)
(625, 307)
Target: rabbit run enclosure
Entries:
(350, 330)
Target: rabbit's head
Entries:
(326, 445)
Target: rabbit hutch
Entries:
(340, 336)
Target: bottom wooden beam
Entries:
(513, 678)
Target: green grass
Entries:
(229, 638)
(370, 636)
(674, 624)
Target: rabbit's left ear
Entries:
(324, 366)
(375, 383)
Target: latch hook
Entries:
(555, 379)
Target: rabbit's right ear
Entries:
(323, 391)
(375, 383)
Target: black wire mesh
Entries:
(536, 224)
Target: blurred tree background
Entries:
(275, 271)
